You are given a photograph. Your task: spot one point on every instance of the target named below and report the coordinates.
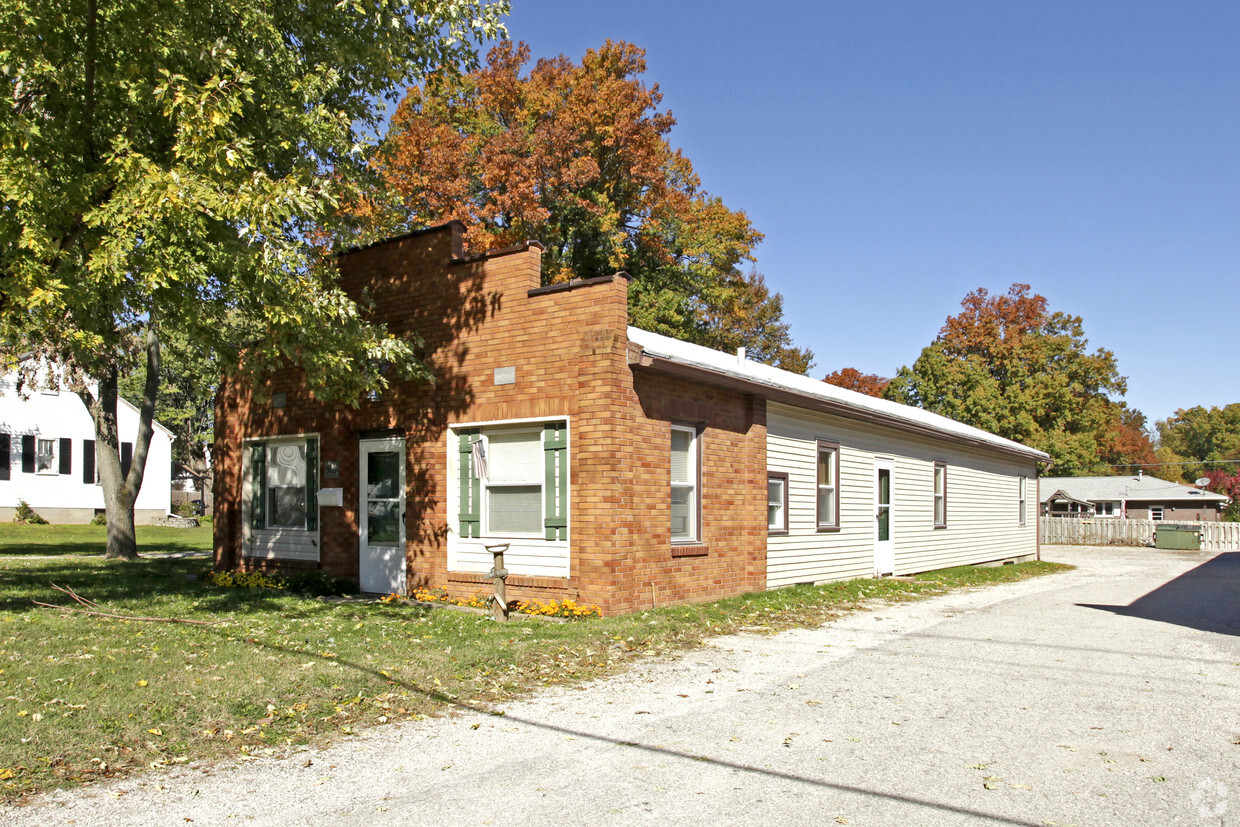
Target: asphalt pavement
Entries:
(1103, 696)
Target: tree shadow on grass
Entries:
(139, 587)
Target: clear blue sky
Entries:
(900, 154)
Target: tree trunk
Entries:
(120, 490)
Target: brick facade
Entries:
(568, 346)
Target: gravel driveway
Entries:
(1106, 695)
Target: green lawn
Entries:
(87, 697)
(44, 540)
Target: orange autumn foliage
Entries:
(577, 157)
(870, 384)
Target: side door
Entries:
(381, 520)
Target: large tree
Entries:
(577, 157)
(1201, 439)
(1007, 365)
(162, 168)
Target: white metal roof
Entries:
(813, 390)
(1094, 489)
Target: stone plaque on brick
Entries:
(505, 376)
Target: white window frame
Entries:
(1162, 513)
(940, 494)
(821, 446)
(1023, 506)
(53, 455)
(268, 444)
(537, 479)
(693, 485)
(780, 524)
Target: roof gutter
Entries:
(639, 358)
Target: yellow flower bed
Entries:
(556, 608)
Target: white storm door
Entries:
(381, 524)
(884, 541)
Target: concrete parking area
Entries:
(1106, 695)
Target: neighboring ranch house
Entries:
(47, 457)
(1135, 498)
(613, 465)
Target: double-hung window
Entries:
(284, 484)
(776, 502)
(828, 485)
(45, 457)
(514, 483)
(684, 484)
(1024, 498)
(940, 494)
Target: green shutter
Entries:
(471, 486)
(312, 485)
(555, 489)
(258, 474)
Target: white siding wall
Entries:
(982, 501)
(64, 416)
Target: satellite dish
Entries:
(1202, 481)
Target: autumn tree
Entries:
(162, 165)
(1006, 365)
(871, 384)
(1227, 484)
(1202, 438)
(1126, 444)
(577, 157)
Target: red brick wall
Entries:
(568, 347)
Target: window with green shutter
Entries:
(514, 481)
(283, 485)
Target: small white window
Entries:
(777, 502)
(45, 457)
(1156, 513)
(684, 485)
(1024, 491)
(940, 494)
(828, 485)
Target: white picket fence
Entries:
(1116, 532)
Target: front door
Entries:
(884, 544)
(381, 534)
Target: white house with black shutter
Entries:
(47, 457)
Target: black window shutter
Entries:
(126, 457)
(88, 461)
(66, 456)
(28, 454)
(5, 447)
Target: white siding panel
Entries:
(274, 544)
(535, 558)
(982, 501)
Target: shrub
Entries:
(247, 579)
(185, 509)
(318, 583)
(27, 515)
(99, 519)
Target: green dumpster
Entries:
(1170, 535)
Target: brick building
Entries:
(614, 466)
